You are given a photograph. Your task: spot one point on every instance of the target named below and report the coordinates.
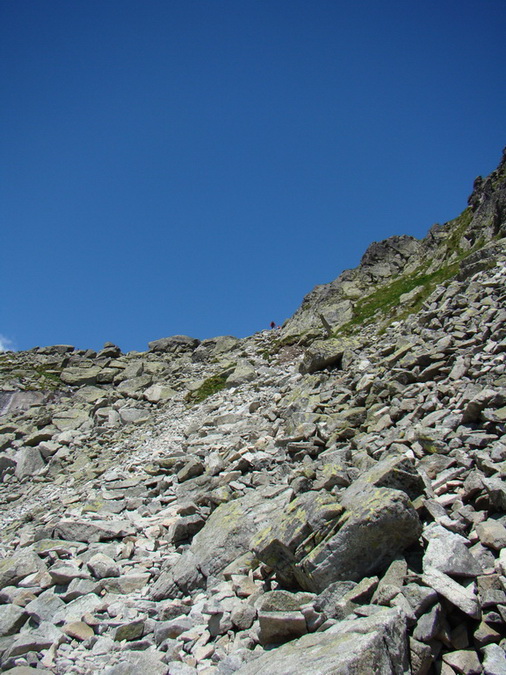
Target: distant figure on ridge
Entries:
(273, 324)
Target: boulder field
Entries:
(325, 498)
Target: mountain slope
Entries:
(316, 499)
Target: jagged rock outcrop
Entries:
(257, 506)
(401, 271)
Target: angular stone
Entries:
(191, 469)
(126, 583)
(70, 419)
(372, 533)
(224, 538)
(19, 566)
(243, 372)
(492, 533)
(496, 489)
(420, 657)
(322, 354)
(174, 343)
(396, 472)
(159, 393)
(279, 627)
(134, 663)
(428, 625)
(494, 662)
(448, 553)
(129, 631)
(12, 619)
(133, 415)
(464, 661)
(64, 574)
(348, 647)
(462, 597)
(45, 606)
(78, 630)
(79, 376)
(36, 640)
(92, 531)
(76, 609)
(28, 462)
(101, 566)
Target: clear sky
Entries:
(197, 166)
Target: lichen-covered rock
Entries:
(323, 354)
(316, 541)
(348, 647)
(370, 535)
(225, 537)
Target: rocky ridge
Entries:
(316, 499)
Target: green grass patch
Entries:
(48, 379)
(209, 387)
(387, 299)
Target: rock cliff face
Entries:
(327, 498)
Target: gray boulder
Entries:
(174, 343)
(348, 647)
(316, 542)
(225, 537)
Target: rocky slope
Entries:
(327, 498)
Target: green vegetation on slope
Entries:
(208, 387)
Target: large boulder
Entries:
(371, 644)
(323, 354)
(174, 343)
(224, 538)
(316, 541)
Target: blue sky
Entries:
(197, 166)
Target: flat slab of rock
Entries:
(462, 597)
(93, 531)
(19, 566)
(174, 343)
(348, 647)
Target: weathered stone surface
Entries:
(278, 627)
(323, 354)
(133, 663)
(174, 343)
(12, 618)
(28, 462)
(133, 415)
(15, 568)
(101, 566)
(494, 662)
(464, 661)
(372, 534)
(462, 597)
(225, 536)
(242, 373)
(80, 376)
(70, 419)
(157, 393)
(396, 472)
(352, 647)
(492, 533)
(78, 630)
(90, 531)
(448, 553)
